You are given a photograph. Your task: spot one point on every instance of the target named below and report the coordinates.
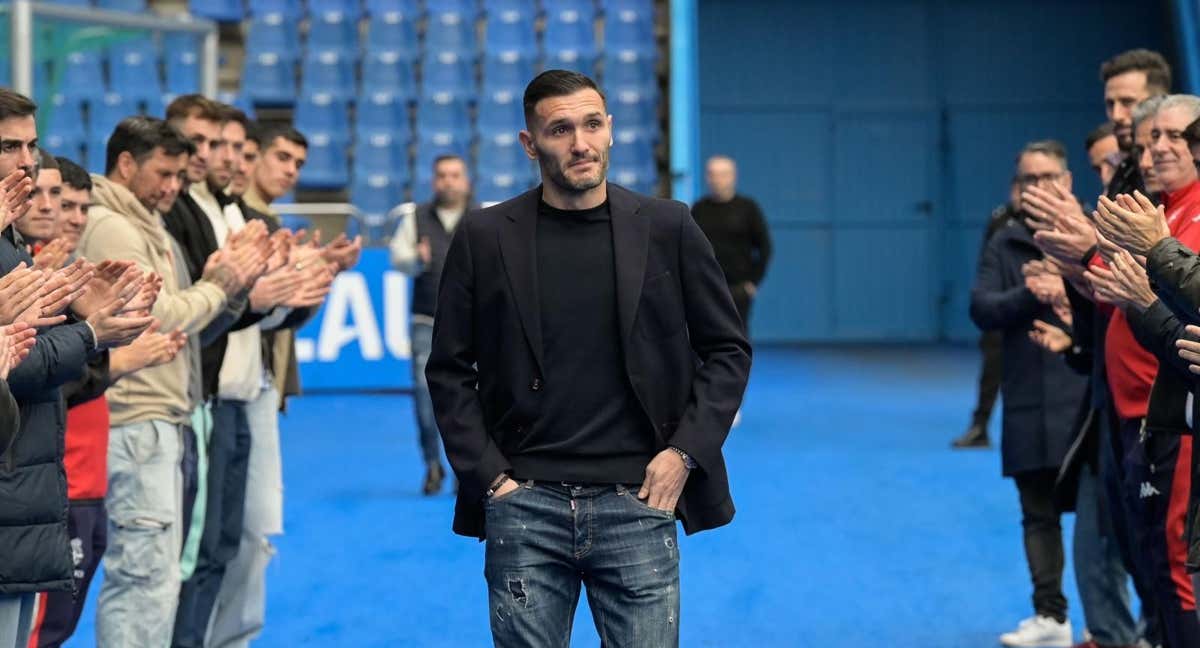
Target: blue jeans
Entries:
(545, 540)
(421, 337)
(1099, 572)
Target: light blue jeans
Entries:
(16, 619)
(421, 336)
(145, 510)
(241, 607)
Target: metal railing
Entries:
(23, 12)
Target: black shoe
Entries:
(433, 479)
(976, 436)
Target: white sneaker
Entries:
(737, 418)
(1039, 631)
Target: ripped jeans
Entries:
(145, 508)
(545, 540)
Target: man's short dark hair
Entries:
(235, 114)
(1048, 147)
(15, 104)
(265, 134)
(1158, 71)
(73, 175)
(1192, 133)
(446, 157)
(556, 83)
(46, 160)
(1097, 134)
(195, 105)
(140, 135)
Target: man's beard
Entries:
(554, 171)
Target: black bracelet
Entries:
(495, 487)
(1088, 256)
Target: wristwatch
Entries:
(688, 462)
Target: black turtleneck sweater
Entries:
(591, 428)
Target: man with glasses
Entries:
(1041, 394)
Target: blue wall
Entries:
(878, 136)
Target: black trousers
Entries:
(991, 346)
(87, 524)
(1158, 483)
(1043, 541)
(228, 457)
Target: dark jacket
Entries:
(33, 483)
(190, 227)
(685, 354)
(1041, 393)
(1174, 272)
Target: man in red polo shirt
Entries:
(1158, 465)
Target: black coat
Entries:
(35, 554)
(685, 354)
(1042, 395)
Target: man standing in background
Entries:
(419, 251)
(735, 226)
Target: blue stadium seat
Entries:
(505, 9)
(63, 132)
(468, 7)
(328, 72)
(499, 187)
(389, 72)
(182, 63)
(351, 10)
(451, 31)
(569, 40)
(273, 33)
(105, 115)
(333, 29)
(323, 113)
(381, 153)
(218, 10)
(586, 8)
(393, 31)
(630, 69)
(629, 24)
(289, 9)
(133, 69)
(633, 111)
(507, 72)
(632, 162)
(73, 3)
(375, 195)
(155, 106)
(447, 74)
(81, 76)
(328, 164)
(511, 31)
(269, 79)
(444, 119)
(409, 8)
(501, 113)
(136, 6)
(239, 101)
(502, 154)
(292, 221)
(382, 113)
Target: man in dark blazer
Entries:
(587, 363)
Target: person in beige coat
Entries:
(150, 408)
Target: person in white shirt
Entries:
(418, 249)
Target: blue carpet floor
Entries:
(856, 524)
